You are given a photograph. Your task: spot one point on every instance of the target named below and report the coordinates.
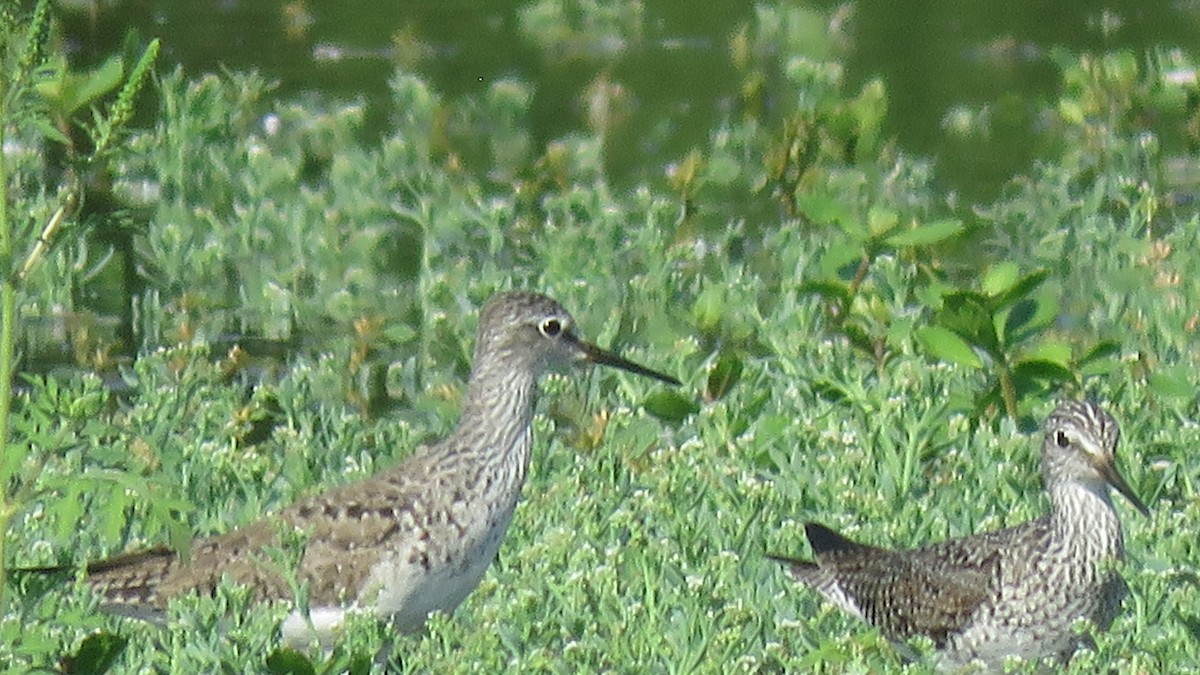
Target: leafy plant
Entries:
(854, 247)
(637, 544)
(1002, 327)
(38, 93)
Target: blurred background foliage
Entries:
(874, 262)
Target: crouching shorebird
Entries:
(1013, 592)
(411, 540)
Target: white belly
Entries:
(404, 592)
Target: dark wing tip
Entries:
(824, 540)
(128, 560)
(798, 569)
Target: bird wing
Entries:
(344, 528)
(931, 591)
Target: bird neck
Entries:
(497, 414)
(1082, 513)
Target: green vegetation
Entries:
(40, 102)
(857, 349)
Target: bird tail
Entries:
(804, 571)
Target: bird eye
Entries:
(551, 327)
(1060, 437)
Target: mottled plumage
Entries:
(1015, 591)
(413, 539)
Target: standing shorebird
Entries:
(413, 539)
(1013, 592)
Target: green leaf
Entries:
(841, 258)
(966, 314)
(1172, 382)
(1102, 350)
(286, 661)
(859, 337)
(399, 333)
(709, 308)
(722, 169)
(824, 209)
(1015, 319)
(945, 345)
(1021, 288)
(927, 234)
(67, 92)
(881, 221)
(96, 654)
(725, 373)
(670, 406)
(49, 131)
(1028, 317)
(1100, 359)
(360, 664)
(829, 391)
(1000, 278)
(1052, 351)
(1072, 111)
(829, 290)
(1028, 370)
(89, 87)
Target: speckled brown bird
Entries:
(1013, 592)
(413, 539)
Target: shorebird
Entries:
(1015, 591)
(411, 540)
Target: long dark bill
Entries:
(606, 358)
(1109, 471)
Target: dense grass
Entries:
(639, 543)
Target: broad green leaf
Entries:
(1022, 288)
(91, 85)
(96, 654)
(1101, 350)
(1072, 111)
(670, 406)
(946, 346)
(881, 221)
(1103, 366)
(999, 278)
(824, 209)
(1028, 317)
(709, 308)
(1172, 382)
(399, 333)
(725, 373)
(287, 661)
(1014, 320)
(965, 313)
(859, 337)
(50, 131)
(68, 91)
(927, 234)
(828, 289)
(1052, 351)
(1040, 369)
(722, 169)
(841, 255)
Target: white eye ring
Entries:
(1061, 439)
(551, 328)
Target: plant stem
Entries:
(1008, 391)
(860, 274)
(8, 308)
